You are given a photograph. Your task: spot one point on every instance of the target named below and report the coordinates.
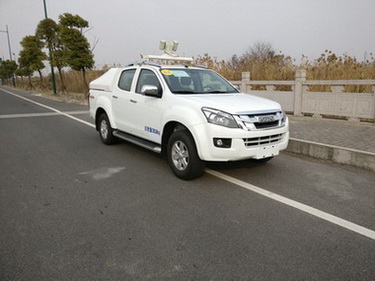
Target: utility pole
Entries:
(50, 55)
(10, 50)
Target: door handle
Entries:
(133, 101)
(115, 97)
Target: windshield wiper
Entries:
(184, 92)
(217, 92)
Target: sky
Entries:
(125, 29)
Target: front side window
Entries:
(149, 78)
(196, 81)
(126, 79)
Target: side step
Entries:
(138, 141)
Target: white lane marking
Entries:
(302, 207)
(50, 108)
(42, 114)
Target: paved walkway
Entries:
(358, 136)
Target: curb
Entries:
(337, 154)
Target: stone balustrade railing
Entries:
(336, 103)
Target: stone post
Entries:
(244, 81)
(298, 90)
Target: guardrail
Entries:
(301, 102)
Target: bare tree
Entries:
(261, 50)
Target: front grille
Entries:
(262, 140)
(266, 125)
(261, 121)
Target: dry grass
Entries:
(280, 67)
(73, 81)
(328, 66)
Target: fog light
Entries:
(222, 143)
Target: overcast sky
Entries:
(127, 28)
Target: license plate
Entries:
(267, 151)
(265, 119)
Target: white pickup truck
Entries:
(190, 114)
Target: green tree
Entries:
(23, 72)
(77, 49)
(7, 69)
(32, 56)
(25, 68)
(49, 32)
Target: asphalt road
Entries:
(72, 208)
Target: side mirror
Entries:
(149, 90)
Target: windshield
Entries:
(196, 81)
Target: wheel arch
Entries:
(181, 152)
(168, 130)
(100, 111)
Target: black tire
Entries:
(183, 157)
(105, 130)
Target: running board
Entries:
(138, 141)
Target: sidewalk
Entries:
(336, 140)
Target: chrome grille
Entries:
(262, 140)
(261, 121)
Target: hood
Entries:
(238, 103)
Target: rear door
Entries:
(121, 100)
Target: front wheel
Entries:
(183, 157)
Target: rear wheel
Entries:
(105, 130)
(183, 157)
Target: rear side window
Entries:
(126, 79)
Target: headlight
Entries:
(283, 119)
(218, 117)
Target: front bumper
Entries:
(244, 144)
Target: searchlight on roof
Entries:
(169, 48)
